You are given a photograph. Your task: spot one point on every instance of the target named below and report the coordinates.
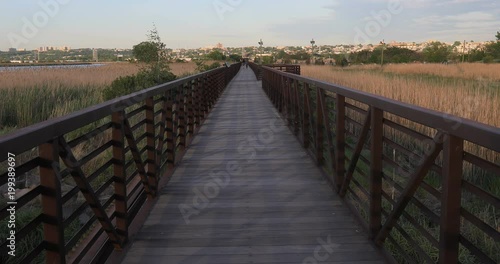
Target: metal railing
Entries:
(290, 68)
(92, 171)
(425, 184)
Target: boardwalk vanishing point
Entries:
(247, 192)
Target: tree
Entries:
(492, 50)
(437, 52)
(153, 54)
(216, 55)
(235, 57)
(146, 52)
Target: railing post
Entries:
(319, 128)
(376, 149)
(151, 147)
(119, 175)
(53, 224)
(340, 141)
(450, 199)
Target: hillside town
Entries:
(290, 54)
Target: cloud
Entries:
(454, 2)
(332, 5)
(477, 24)
(414, 4)
(470, 17)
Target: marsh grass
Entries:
(470, 91)
(31, 96)
(34, 95)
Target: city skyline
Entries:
(239, 23)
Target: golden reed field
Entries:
(467, 90)
(71, 77)
(35, 95)
(470, 90)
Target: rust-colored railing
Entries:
(290, 68)
(425, 184)
(88, 174)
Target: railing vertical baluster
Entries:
(288, 101)
(182, 117)
(204, 97)
(296, 107)
(151, 147)
(210, 91)
(170, 128)
(197, 102)
(274, 92)
(119, 175)
(340, 142)
(190, 108)
(50, 181)
(319, 128)
(206, 94)
(450, 199)
(283, 94)
(376, 148)
(277, 91)
(306, 117)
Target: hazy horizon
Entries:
(240, 23)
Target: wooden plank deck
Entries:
(246, 192)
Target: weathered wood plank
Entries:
(247, 192)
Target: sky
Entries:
(235, 23)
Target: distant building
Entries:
(95, 55)
(12, 50)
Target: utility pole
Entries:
(463, 53)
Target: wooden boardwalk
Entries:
(246, 192)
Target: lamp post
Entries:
(261, 43)
(383, 47)
(312, 48)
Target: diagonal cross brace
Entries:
(326, 123)
(129, 135)
(90, 196)
(407, 195)
(357, 154)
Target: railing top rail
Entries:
(475, 132)
(283, 65)
(26, 138)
